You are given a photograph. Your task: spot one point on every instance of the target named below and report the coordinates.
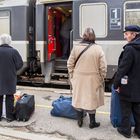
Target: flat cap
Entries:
(132, 28)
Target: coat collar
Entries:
(5, 45)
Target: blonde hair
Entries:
(89, 35)
(5, 39)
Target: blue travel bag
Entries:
(115, 110)
(62, 108)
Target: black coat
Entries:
(129, 64)
(10, 62)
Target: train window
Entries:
(135, 5)
(89, 18)
(132, 13)
(4, 22)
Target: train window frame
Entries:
(8, 16)
(127, 2)
(105, 17)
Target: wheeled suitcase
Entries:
(24, 107)
(115, 113)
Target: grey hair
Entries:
(89, 35)
(5, 39)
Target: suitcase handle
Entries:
(24, 95)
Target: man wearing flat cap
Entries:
(127, 81)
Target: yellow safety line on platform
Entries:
(50, 107)
(44, 106)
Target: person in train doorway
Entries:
(65, 36)
(10, 63)
(127, 81)
(87, 77)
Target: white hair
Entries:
(5, 39)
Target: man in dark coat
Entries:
(127, 81)
(10, 63)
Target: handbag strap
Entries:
(83, 52)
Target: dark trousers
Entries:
(9, 102)
(66, 47)
(127, 108)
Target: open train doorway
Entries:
(58, 36)
(59, 26)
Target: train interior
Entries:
(59, 28)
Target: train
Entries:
(35, 27)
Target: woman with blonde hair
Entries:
(87, 74)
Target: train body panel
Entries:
(35, 27)
(16, 14)
(108, 20)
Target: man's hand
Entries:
(118, 89)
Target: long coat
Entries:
(129, 65)
(87, 76)
(10, 62)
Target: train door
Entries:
(58, 25)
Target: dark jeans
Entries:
(126, 109)
(9, 101)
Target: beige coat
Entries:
(87, 77)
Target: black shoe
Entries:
(123, 133)
(136, 133)
(94, 125)
(64, 57)
(80, 122)
(10, 119)
(80, 118)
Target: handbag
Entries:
(62, 108)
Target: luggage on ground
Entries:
(24, 107)
(62, 108)
(115, 113)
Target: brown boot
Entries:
(93, 122)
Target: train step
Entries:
(58, 82)
(60, 62)
(60, 74)
(60, 67)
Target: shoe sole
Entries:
(123, 134)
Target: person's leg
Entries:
(10, 107)
(80, 116)
(136, 114)
(65, 48)
(126, 110)
(1, 106)
(93, 122)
